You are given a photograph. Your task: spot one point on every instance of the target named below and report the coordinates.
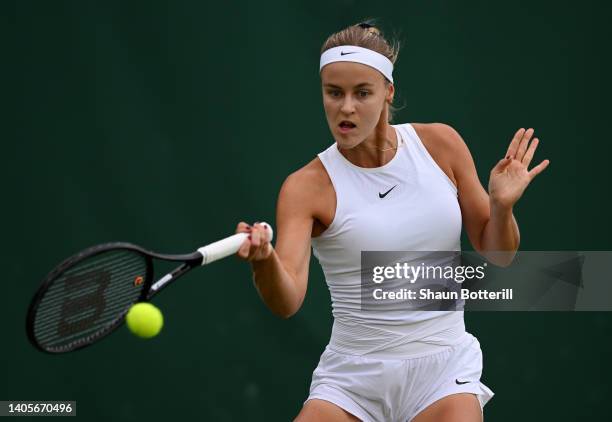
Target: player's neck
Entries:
(373, 151)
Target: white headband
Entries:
(351, 53)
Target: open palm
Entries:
(511, 175)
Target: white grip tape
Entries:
(226, 247)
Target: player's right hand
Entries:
(257, 246)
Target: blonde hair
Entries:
(367, 35)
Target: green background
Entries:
(166, 123)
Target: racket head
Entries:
(86, 297)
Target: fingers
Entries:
(243, 252)
(242, 227)
(501, 165)
(530, 151)
(538, 169)
(257, 244)
(519, 143)
(523, 145)
(514, 144)
(260, 242)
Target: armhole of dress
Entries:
(421, 146)
(333, 224)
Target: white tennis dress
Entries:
(389, 366)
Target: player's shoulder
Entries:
(445, 145)
(307, 182)
(439, 135)
(312, 175)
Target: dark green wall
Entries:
(164, 124)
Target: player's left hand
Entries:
(510, 176)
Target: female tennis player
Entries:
(406, 187)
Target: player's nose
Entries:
(348, 105)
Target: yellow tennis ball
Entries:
(144, 320)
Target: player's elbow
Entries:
(290, 307)
(501, 259)
(286, 313)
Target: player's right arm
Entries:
(280, 274)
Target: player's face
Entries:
(353, 98)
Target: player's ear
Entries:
(390, 93)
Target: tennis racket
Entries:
(87, 296)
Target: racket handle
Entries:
(227, 246)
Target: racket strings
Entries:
(89, 298)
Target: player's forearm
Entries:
(500, 237)
(276, 287)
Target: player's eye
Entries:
(363, 93)
(334, 93)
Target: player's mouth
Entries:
(346, 126)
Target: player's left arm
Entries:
(487, 217)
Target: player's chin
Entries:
(343, 144)
(347, 141)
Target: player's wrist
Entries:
(500, 210)
(264, 261)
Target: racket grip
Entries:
(228, 246)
